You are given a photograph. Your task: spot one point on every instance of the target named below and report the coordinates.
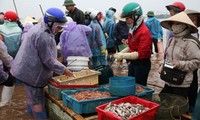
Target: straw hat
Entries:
(193, 12)
(30, 20)
(181, 18)
(118, 17)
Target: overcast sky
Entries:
(31, 7)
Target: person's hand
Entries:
(60, 59)
(119, 56)
(68, 73)
(175, 64)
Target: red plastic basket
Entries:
(148, 115)
(57, 85)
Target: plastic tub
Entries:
(121, 81)
(122, 90)
(77, 61)
(77, 68)
(122, 85)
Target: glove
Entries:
(119, 56)
(130, 56)
(102, 50)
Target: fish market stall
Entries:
(81, 98)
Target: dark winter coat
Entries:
(77, 16)
(121, 32)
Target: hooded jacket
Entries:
(95, 39)
(109, 26)
(11, 33)
(3, 74)
(36, 60)
(155, 28)
(74, 40)
(77, 16)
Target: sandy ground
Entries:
(17, 109)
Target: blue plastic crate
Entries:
(149, 91)
(84, 106)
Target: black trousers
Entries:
(140, 70)
(192, 96)
(155, 45)
(176, 90)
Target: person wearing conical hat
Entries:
(30, 20)
(181, 52)
(28, 23)
(173, 9)
(76, 14)
(195, 17)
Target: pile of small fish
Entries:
(88, 95)
(126, 110)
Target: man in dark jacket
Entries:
(76, 14)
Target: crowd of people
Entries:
(103, 39)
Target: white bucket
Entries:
(77, 63)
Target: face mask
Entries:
(57, 28)
(130, 25)
(178, 28)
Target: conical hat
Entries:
(29, 19)
(181, 18)
(118, 17)
(194, 12)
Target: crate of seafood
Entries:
(83, 77)
(140, 91)
(55, 88)
(143, 91)
(128, 108)
(85, 101)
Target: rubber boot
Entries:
(6, 95)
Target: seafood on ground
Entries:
(125, 110)
(90, 94)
